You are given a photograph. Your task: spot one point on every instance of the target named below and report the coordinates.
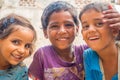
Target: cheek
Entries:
(27, 53)
(72, 31)
(6, 50)
(106, 33)
(51, 33)
(9, 48)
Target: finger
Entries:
(110, 11)
(111, 15)
(117, 25)
(111, 21)
(114, 23)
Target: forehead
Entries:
(22, 32)
(91, 14)
(60, 15)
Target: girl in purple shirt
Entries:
(61, 60)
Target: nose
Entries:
(62, 29)
(92, 28)
(21, 50)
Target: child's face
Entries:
(61, 29)
(16, 47)
(96, 33)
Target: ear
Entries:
(45, 33)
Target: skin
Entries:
(113, 18)
(15, 47)
(61, 32)
(95, 32)
(101, 39)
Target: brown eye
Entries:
(85, 27)
(54, 27)
(16, 42)
(99, 24)
(69, 25)
(28, 46)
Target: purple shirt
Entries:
(47, 65)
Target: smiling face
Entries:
(16, 47)
(61, 29)
(96, 34)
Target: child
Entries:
(16, 38)
(61, 60)
(101, 59)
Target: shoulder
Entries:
(22, 68)
(44, 53)
(89, 52)
(17, 72)
(80, 48)
(90, 55)
(20, 71)
(43, 50)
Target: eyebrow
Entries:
(52, 23)
(96, 19)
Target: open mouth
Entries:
(93, 38)
(16, 57)
(63, 39)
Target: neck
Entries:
(65, 54)
(109, 53)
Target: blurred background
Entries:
(32, 10)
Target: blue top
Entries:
(18, 72)
(92, 66)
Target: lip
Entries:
(17, 57)
(62, 38)
(92, 38)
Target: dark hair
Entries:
(7, 25)
(97, 6)
(55, 7)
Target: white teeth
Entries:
(62, 39)
(93, 38)
(17, 56)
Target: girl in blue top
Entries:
(101, 59)
(16, 38)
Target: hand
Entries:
(112, 17)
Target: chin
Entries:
(14, 63)
(93, 48)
